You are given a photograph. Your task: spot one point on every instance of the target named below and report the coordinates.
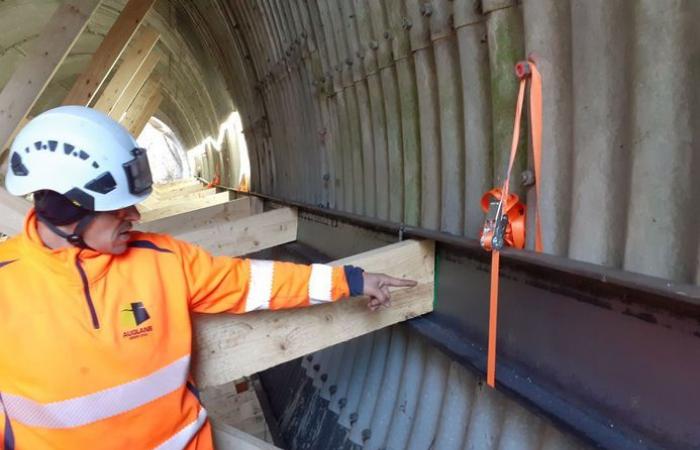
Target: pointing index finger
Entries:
(400, 282)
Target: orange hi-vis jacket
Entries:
(95, 349)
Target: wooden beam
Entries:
(155, 202)
(246, 235)
(32, 75)
(229, 347)
(184, 190)
(195, 220)
(227, 437)
(136, 128)
(184, 207)
(134, 58)
(139, 104)
(139, 109)
(108, 53)
(236, 405)
(173, 185)
(12, 212)
(156, 198)
(137, 83)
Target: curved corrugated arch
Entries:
(402, 109)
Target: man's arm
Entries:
(223, 284)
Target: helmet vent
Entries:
(103, 184)
(18, 168)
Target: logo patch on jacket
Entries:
(132, 316)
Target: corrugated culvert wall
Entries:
(393, 390)
(402, 110)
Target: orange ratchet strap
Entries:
(215, 182)
(514, 234)
(505, 222)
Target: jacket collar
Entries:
(62, 261)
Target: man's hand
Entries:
(377, 289)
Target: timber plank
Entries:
(227, 437)
(174, 185)
(134, 57)
(28, 82)
(184, 190)
(137, 83)
(194, 220)
(107, 54)
(183, 207)
(137, 107)
(229, 346)
(156, 201)
(148, 111)
(246, 235)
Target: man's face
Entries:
(109, 231)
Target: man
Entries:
(95, 330)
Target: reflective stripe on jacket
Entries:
(95, 349)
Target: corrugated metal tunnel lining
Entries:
(402, 109)
(392, 390)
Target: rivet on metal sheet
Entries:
(527, 178)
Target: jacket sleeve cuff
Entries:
(356, 281)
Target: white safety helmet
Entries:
(83, 154)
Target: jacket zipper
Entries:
(88, 298)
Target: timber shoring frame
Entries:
(625, 308)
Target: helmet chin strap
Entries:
(76, 237)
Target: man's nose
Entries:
(129, 213)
